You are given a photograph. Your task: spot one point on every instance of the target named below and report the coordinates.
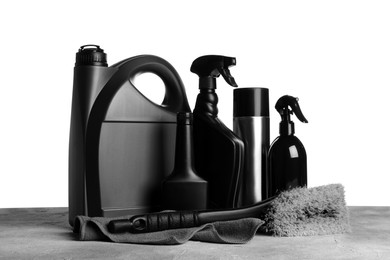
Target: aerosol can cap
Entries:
(251, 102)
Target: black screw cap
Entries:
(94, 56)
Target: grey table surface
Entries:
(44, 233)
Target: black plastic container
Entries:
(121, 144)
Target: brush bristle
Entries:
(306, 212)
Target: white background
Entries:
(333, 55)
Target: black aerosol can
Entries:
(251, 124)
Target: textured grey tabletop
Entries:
(43, 233)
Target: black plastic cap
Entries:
(94, 56)
(251, 102)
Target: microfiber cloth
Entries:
(297, 212)
(226, 232)
(307, 212)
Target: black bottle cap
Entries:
(94, 56)
(251, 102)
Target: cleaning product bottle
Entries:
(219, 153)
(121, 144)
(184, 189)
(251, 124)
(287, 155)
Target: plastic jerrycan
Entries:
(121, 144)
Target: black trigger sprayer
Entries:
(287, 155)
(286, 126)
(219, 153)
(209, 67)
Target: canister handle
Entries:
(175, 96)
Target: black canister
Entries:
(121, 144)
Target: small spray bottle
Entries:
(287, 155)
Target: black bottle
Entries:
(184, 189)
(287, 155)
(219, 153)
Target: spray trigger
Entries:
(225, 72)
(288, 101)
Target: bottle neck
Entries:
(208, 82)
(206, 102)
(286, 126)
(184, 154)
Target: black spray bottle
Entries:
(287, 155)
(219, 153)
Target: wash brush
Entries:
(296, 212)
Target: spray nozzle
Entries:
(282, 106)
(209, 67)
